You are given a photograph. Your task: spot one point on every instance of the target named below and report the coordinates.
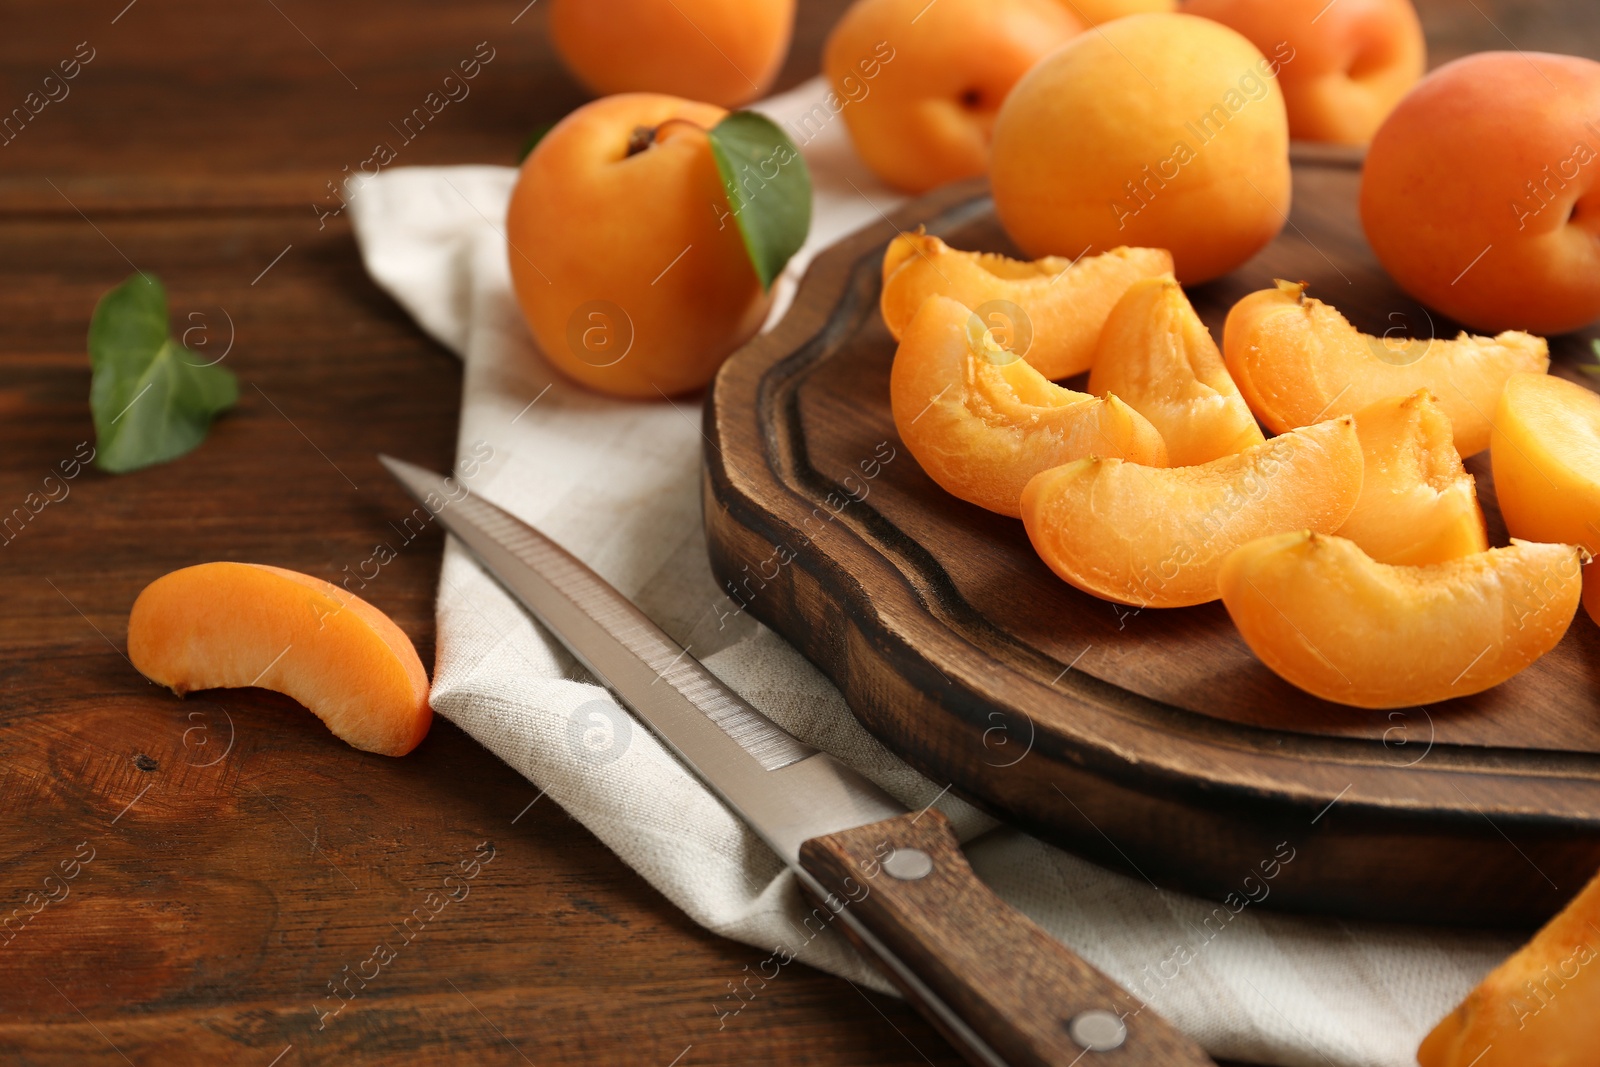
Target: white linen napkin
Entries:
(618, 483)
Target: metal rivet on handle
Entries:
(908, 864)
(1097, 1031)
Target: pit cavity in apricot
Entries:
(1060, 304)
(1298, 360)
(1156, 354)
(981, 421)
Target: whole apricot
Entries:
(632, 276)
(1479, 193)
(725, 52)
(1166, 131)
(920, 84)
(1351, 61)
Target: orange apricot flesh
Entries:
(1157, 538)
(233, 625)
(1156, 354)
(1059, 304)
(1418, 505)
(1297, 360)
(1545, 452)
(1540, 1008)
(982, 422)
(1327, 617)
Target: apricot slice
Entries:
(1063, 303)
(1545, 451)
(232, 625)
(1418, 505)
(1329, 618)
(1297, 360)
(982, 422)
(1156, 354)
(1156, 538)
(1540, 1008)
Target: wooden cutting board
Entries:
(1151, 741)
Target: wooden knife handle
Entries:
(904, 884)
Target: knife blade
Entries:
(1001, 990)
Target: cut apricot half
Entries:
(1327, 617)
(1418, 505)
(1540, 1008)
(1156, 354)
(1545, 453)
(1053, 307)
(1156, 538)
(982, 422)
(1297, 360)
(232, 625)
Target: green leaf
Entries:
(533, 140)
(152, 398)
(768, 187)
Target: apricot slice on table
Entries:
(1545, 451)
(1540, 1008)
(1418, 505)
(1156, 354)
(1063, 303)
(1297, 360)
(231, 625)
(1156, 538)
(1329, 618)
(982, 422)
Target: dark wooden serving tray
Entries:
(1151, 741)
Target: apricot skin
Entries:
(981, 422)
(1065, 303)
(1298, 360)
(231, 625)
(1545, 452)
(1094, 12)
(1156, 354)
(1087, 146)
(1326, 617)
(1469, 190)
(1353, 60)
(1540, 1008)
(926, 115)
(1157, 538)
(630, 281)
(724, 52)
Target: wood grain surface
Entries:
(226, 894)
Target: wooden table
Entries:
(243, 861)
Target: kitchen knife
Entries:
(1004, 992)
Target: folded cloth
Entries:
(618, 483)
